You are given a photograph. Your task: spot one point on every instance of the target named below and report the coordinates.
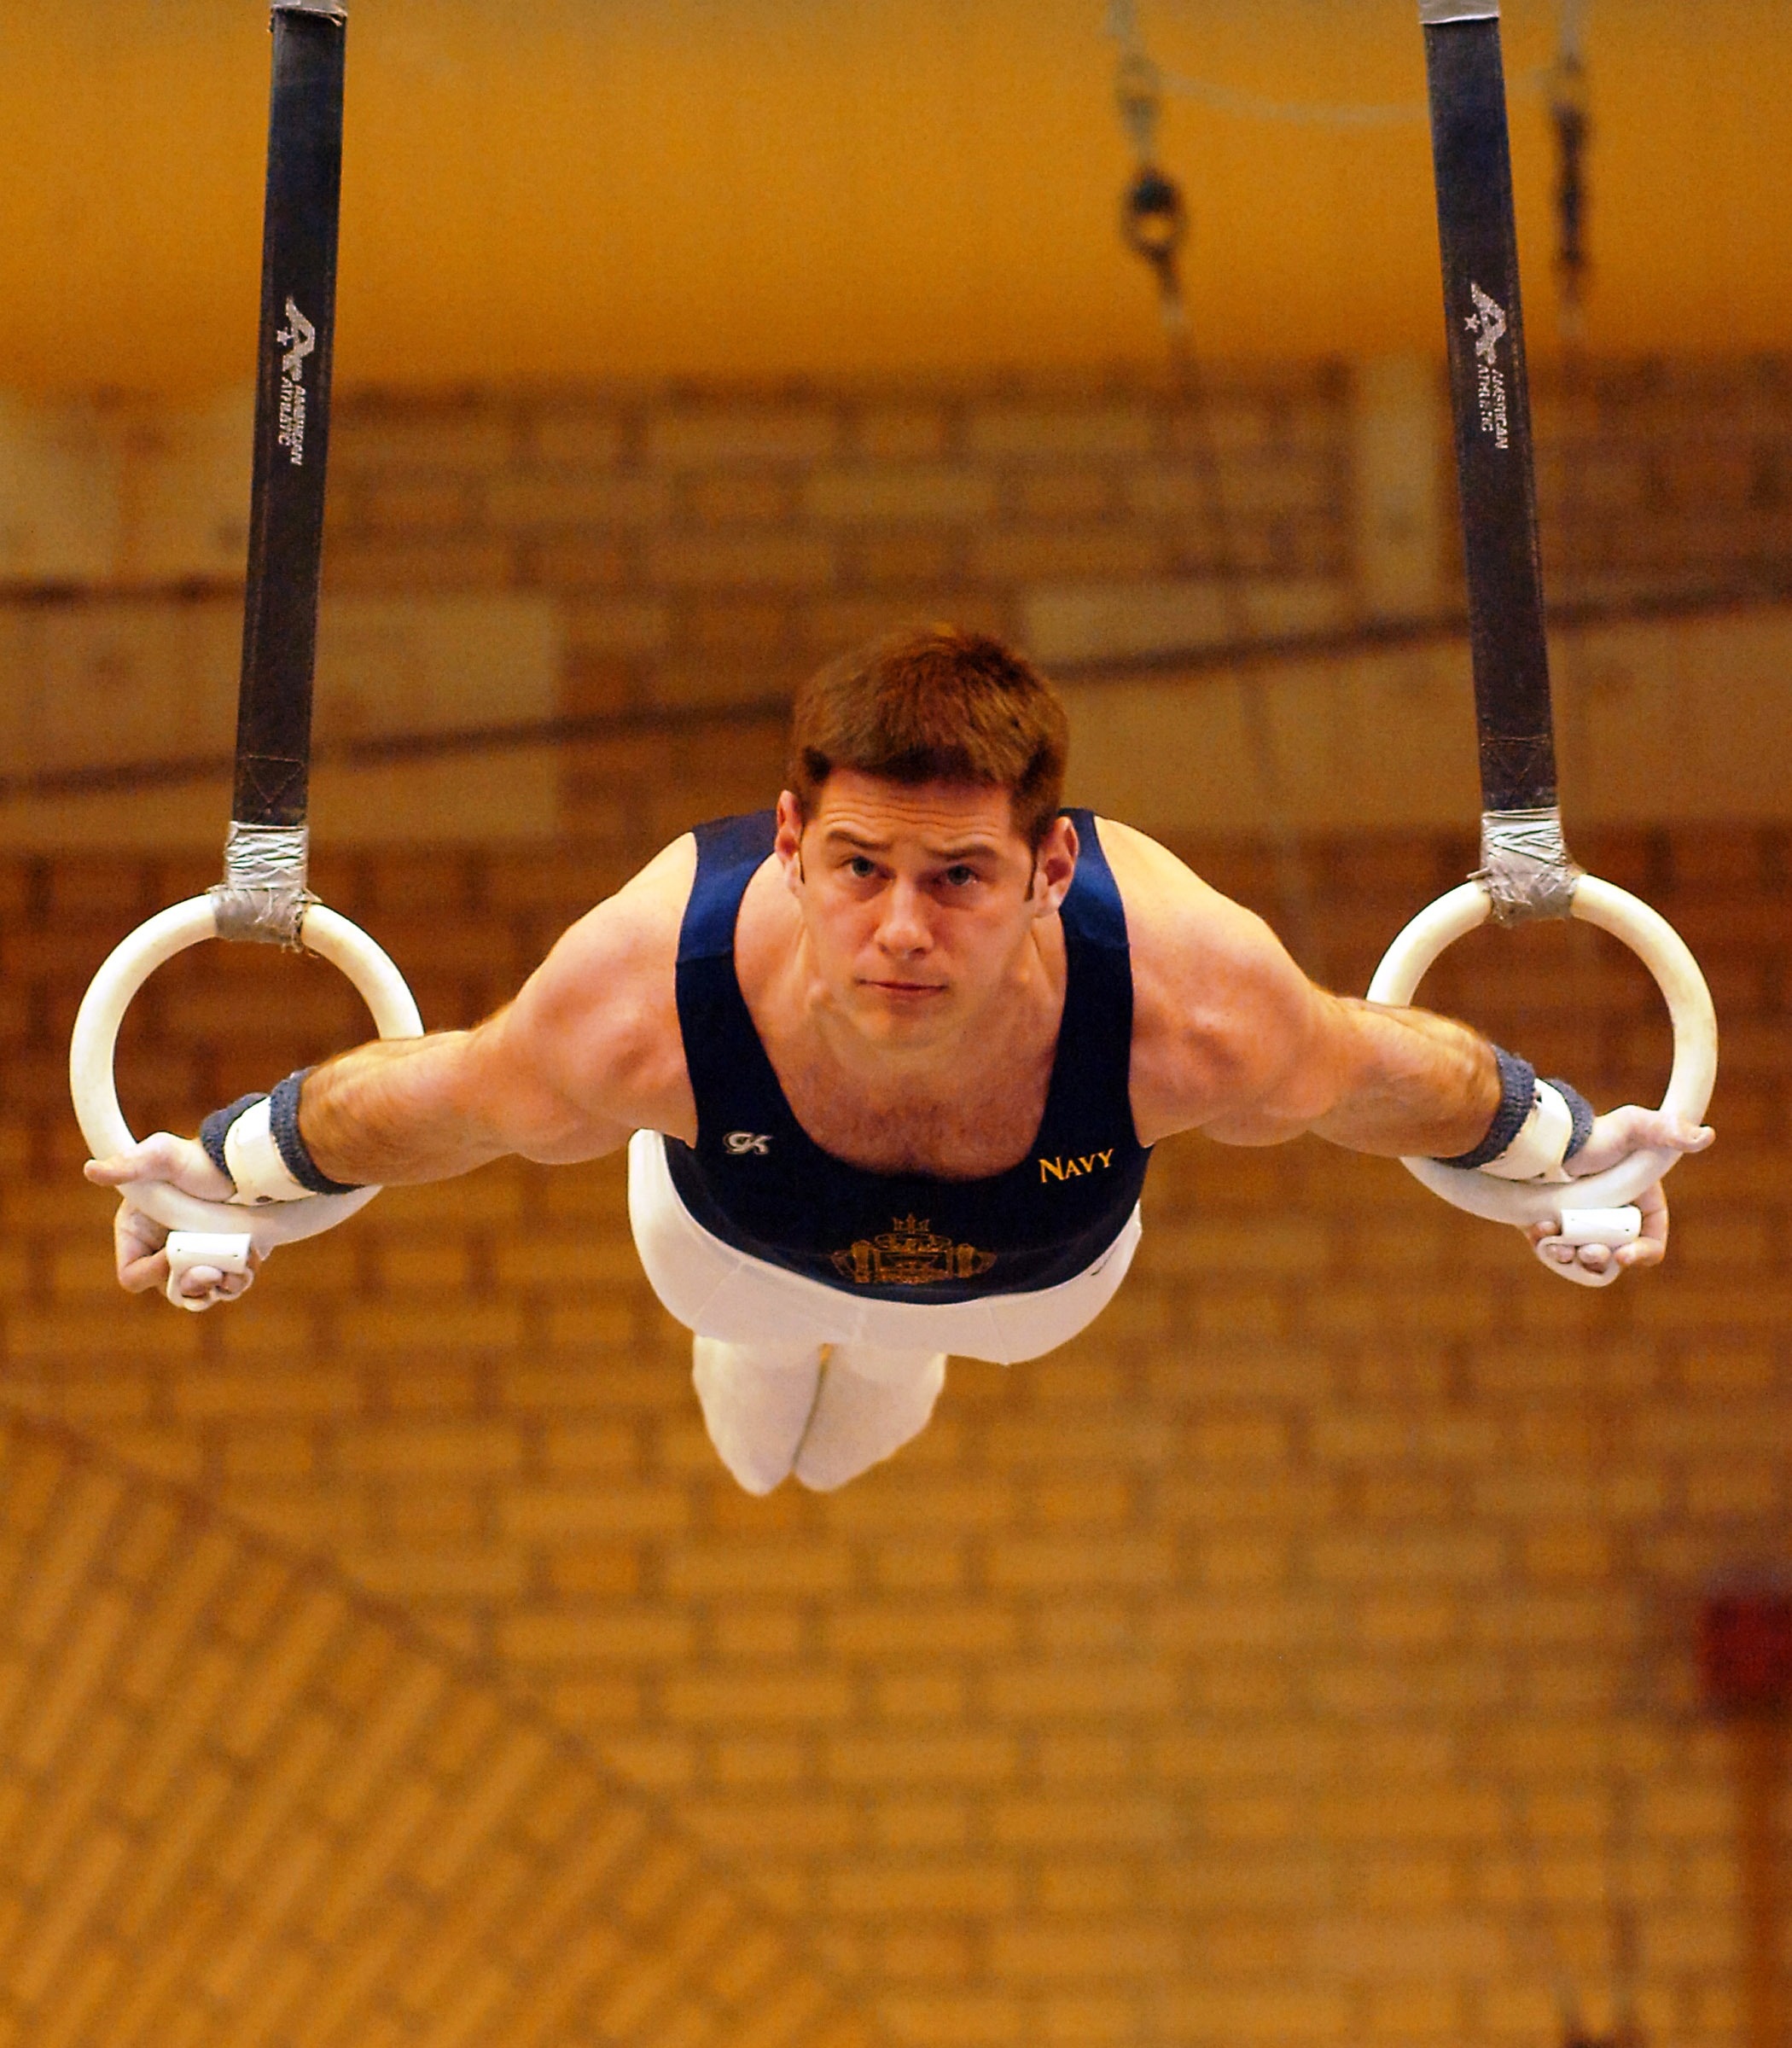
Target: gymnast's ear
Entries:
(788, 844)
(1054, 866)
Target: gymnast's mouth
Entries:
(904, 989)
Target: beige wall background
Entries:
(1303, 1656)
(545, 189)
(1252, 600)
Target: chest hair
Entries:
(962, 1131)
(969, 1123)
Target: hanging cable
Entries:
(1568, 96)
(1308, 113)
(1154, 224)
(1154, 221)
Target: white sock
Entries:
(757, 1400)
(872, 1402)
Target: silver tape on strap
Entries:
(262, 895)
(1431, 12)
(1525, 865)
(335, 9)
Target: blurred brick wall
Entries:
(241, 1807)
(1301, 1656)
(704, 548)
(713, 538)
(673, 558)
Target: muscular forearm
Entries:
(414, 1110)
(395, 1111)
(1410, 1083)
(1396, 1082)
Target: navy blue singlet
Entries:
(758, 1181)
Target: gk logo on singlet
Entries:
(740, 1143)
(910, 1254)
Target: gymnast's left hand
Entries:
(139, 1241)
(1614, 1137)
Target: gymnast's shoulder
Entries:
(1219, 1011)
(600, 1014)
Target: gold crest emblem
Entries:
(909, 1254)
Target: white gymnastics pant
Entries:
(776, 1401)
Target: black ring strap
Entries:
(292, 415)
(1490, 400)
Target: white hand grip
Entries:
(225, 1252)
(1608, 1227)
(91, 1051)
(1663, 952)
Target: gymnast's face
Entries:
(921, 903)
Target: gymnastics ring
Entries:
(1667, 957)
(90, 1055)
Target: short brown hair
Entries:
(936, 705)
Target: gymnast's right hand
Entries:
(138, 1241)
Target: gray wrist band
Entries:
(1579, 1109)
(1517, 1091)
(283, 1124)
(212, 1131)
(294, 1154)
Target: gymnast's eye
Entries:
(959, 875)
(860, 868)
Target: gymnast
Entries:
(889, 1062)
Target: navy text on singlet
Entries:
(757, 1180)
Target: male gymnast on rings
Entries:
(889, 1062)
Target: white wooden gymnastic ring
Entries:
(1662, 951)
(92, 1050)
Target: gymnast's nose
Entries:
(904, 928)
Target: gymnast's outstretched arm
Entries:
(589, 1052)
(1230, 1038)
